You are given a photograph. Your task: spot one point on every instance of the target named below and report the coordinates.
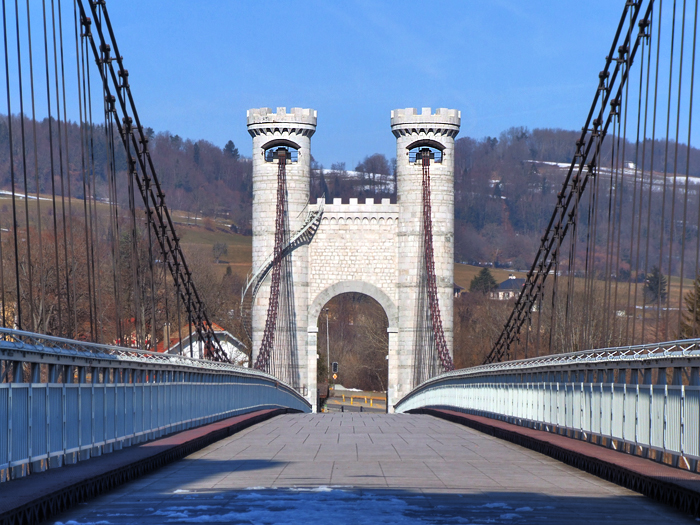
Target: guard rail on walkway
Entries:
(63, 400)
(641, 399)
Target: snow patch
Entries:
(322, 488)
(496, 506)
(71, 522)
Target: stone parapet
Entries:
(369, 212)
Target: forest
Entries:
(505, 190)
(505, 187)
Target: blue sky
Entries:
(196, 67)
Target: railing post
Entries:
(64, 421)
(694, 376)
(575, 378)
(48, 416)
(94, 379)
(634, 385)
(34, 380)
(35, 373)
(16, 369)
(589, 381)
(142, 385)
(648, 389)
(662, 381)
(622, 379)
(694, 381)
(610, 380)
(677, 383)
(9, 369)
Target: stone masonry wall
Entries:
(355, 242)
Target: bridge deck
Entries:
(356, 468)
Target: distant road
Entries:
(352, 401)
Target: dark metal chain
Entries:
(263, 360)
(580, 171)
(440, 343)
(130, 129)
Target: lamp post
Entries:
(328, 351)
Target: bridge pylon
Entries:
(398, 253)
(432, 135)
(271, 133)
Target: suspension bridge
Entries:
(587, 408)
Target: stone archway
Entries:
(390, 309)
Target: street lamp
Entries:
(328, 351)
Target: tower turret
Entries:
(278, 136)
(418, 134)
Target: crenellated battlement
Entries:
(263, 121)
(352, 212)
(409, 121)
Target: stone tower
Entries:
(292, 130)
(437, 131)
(373, 248)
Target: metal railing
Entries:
(256, 277)
(646, 397)
(64, 400)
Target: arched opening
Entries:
(416, 154)
(273, 153)
(352, 332)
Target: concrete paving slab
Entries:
(396, 470)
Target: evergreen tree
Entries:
(655, 287)
(196, 153)
(219, 249)
(690, 324)
(483, 282)
(231, 150)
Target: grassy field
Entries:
(197, 239)
(618, 300)
(464, 273)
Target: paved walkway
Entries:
(369, 468)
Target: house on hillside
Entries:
(508, 289)
(458, 290)
(234, 349)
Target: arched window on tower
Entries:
(416, 153)
(272, 154)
